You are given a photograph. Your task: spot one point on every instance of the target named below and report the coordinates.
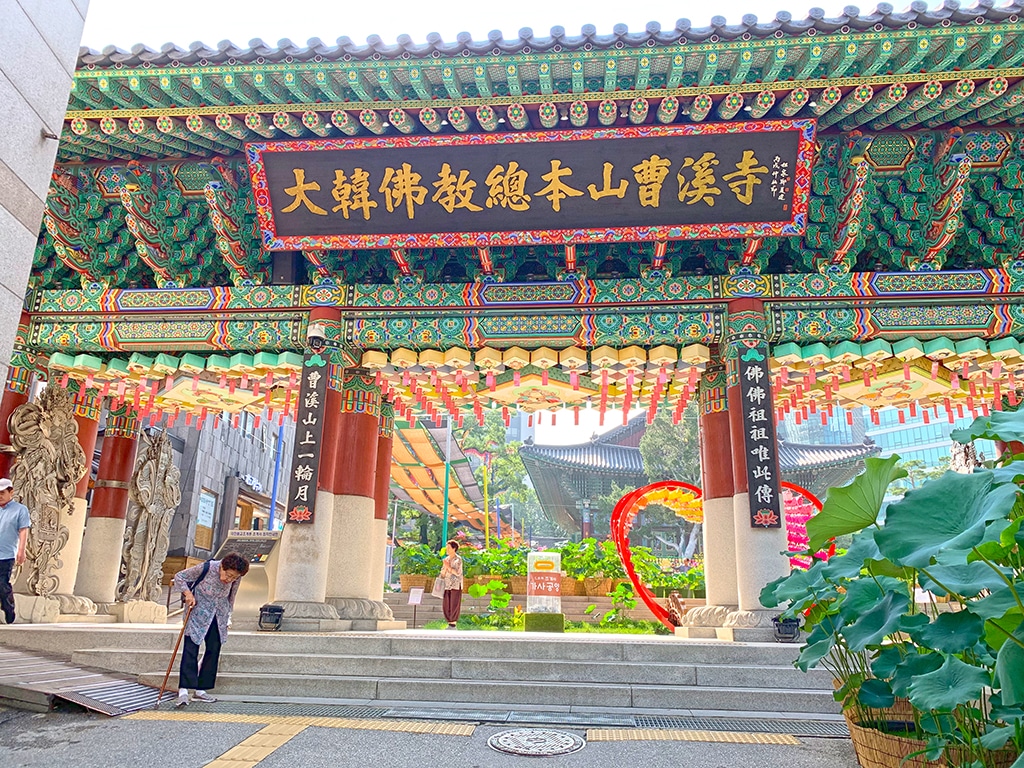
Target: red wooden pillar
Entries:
(758, 550)
(87, 415)
(15, 394)
(381, 496)
(717, 489)
(104, 530)
(354, 487)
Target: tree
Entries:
(670, 452)
(507, 477)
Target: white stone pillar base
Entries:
(761, 560)
(352, 557)
(100, 563)
(32, 609)
(379, 551)
(67, 574)
(139, 612)
(720, 552)
(304, 553)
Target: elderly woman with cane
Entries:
(209, 591)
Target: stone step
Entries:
(521, 693)
(475, 668)
(425, 644)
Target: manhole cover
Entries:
(536, 742)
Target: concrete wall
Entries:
(39, 42)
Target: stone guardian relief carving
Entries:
(50, 464)
(155, 493)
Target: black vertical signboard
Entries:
(309, 428)
(759, 438)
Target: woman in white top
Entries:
(451, 574)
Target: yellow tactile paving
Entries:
(278, 730)
(284, 723)
(723, 737)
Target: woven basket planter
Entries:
(902, 711)
(572, 586)
(517, 585)
(410, 580)
(876, 749)
(597, 587)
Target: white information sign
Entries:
(207, 507)
(544, 582)
(416, 596)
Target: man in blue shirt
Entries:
(14, 525)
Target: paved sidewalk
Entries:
(194, 739)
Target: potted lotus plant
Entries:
(922, 684)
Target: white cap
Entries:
(5, 484)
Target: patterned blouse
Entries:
(453, 576)
(214, 598)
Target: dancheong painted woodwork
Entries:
(165, 279)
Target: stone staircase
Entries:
(574, 607)
(477, 668)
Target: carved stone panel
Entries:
(50, 463)
(155, 493)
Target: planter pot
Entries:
(902, 711)
(598, 587)
(701, 593)
(411, 580)
(878, 749)
(572, 586)
(786, 630)
(517, 585)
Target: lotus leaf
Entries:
(1007, 426)
(855, 506)
(873, 626)
(998, 630)
(995, 606)
(911, 667)
(1010, 669)
(886, 660)
(950, 685)
(950, 632)
(810, 655)
(996, 738)
(966, 580)
(947, 513)
(876, 694)
(865, 594)
(849, 564)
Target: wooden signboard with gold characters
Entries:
(650, 182)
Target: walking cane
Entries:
(174, 655)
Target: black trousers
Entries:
(6, 590)
(191, 674)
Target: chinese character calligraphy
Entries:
(759, 439)
(651, 183)
(308, 432)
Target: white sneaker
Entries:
(181, 701)
(203, 696)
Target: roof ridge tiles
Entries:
(884, 14)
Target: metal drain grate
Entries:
(824, 728)
(294, 710)
(566, 718)
(114, 699)
(467, 715)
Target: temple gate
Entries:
(814, 215)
